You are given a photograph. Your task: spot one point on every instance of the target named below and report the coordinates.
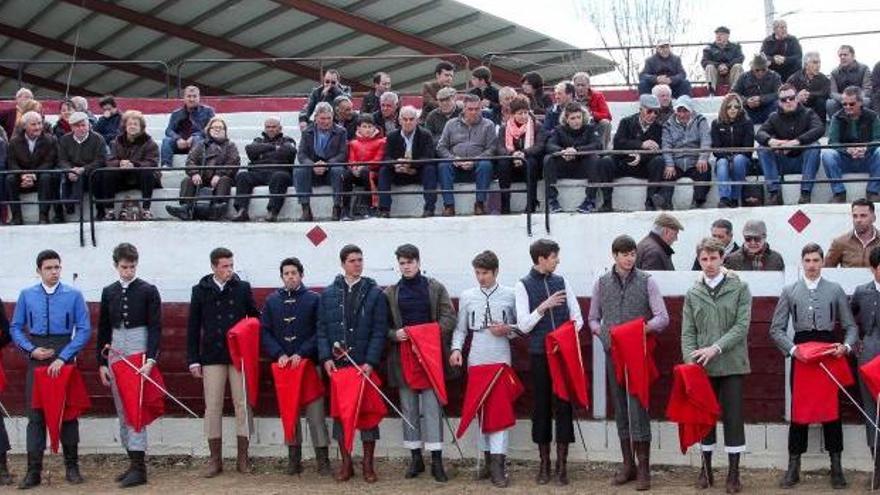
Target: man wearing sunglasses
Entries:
(758, 88)
(639, 131)
(785, 141)
(328, 91)
(851, 126)
(755, 253)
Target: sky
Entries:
(568, 22)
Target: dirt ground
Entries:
(180, 475)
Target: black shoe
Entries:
(659, 201)
(16, 219)
(58, 217)
(181, 212)
(725, 203)
(497, 471)
(322, 458)
(838, 481)
(137, 474)
(272, 216)
(428, 213)
(805, 199)
(586, 206)
(606, 207)
(294, 459)
(241, 216)
(416, 464)
(306, 215)
(437, 470)
(793, 474)
(71, 465)
(839, 198)
(336, 214)
(553, 206)
(218, 210)
(384, 213)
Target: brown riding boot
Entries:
(215, 459)
(561, 474)
(643, 471)
(346, 470)
(369, 471)
(242, 463)
(544, 468)
(627, 470)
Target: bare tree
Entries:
(634, 23)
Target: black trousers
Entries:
(657, 168)
(729, 390)
(4, 439)
(36, 427)
(643, 170)
(143, 180)
(75, 189)
(832, 431)
(548, 407)
(47, 187)
(529, 172)
(582, 167)
(277, 180)
(188, 189)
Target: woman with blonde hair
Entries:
(732, 129)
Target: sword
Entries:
(245, 391)
(109, 350)
(342, 351)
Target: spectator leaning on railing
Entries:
(81, 152)
(575, 134)
(639, 131)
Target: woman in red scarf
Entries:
(520, 137)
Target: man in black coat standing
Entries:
(410, 142)
(219, 301)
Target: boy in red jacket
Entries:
(367, 148)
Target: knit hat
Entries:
(755, 228)
(668, 221)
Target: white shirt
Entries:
(526, 321)
(50, 290)
(78, 140)
(220, 284)
(32, 143)
(125, 284)
(713, 282)
(877, 286)
(812, 284)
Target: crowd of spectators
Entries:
(780, 107)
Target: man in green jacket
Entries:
(414, 300)
(714, 331)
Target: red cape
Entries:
(814, 396)
(567, 365)
(421, 360)
(355, 403)
(243, 340)
(63, 398)
(142, 401)
(491, 391)
(692, 404)
(633, 354)
(294, 388)
(870, 372)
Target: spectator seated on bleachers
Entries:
(758, 88)
(664, 95)
(812, 86)
(481, 82)
(81, 152)
(10, 118)
(271, 148)
(131, 150)
(563, 94)
(81, 104)
(687, 129)
(505, 96)
(35, 150)
(410, 142)
(364, 150)
(722, 60)
(326, 93)
(381, 84)
(385, 118)
(521, 137)
(782, 50)
(109, 124)
(595, 102)
(533, 87)
(204, 179)
(664, 68)
(639, 131)
(444, 76)
(849, 73)
(186, 126)
(467, 141)
(446, 111)
(791, 125)
(732, 129)
(321, 143)
(62, 125)
(853, 124)
(575, 134)
(345, 115)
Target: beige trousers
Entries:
(214, 378)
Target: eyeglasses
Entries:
(652, 111)
(787, 99)
(848, 103)
(753, 238)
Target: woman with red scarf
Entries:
(520, 137)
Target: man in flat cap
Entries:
(654, 251)
(80, 152)
(722, 60)
(758, 88)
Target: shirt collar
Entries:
(78, 140)
(812, 284)
(873, 236)
(714, 281)
(352, 284)
(219, 284)
(877, 286)
(50, 290)
(125, 284)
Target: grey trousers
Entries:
(36, 428)
(314, 413)
(128, 341)
(870, 405)
(422, 409)
(633, 420)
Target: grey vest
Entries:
(623, 300)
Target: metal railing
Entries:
(52, 202)
(20, 65)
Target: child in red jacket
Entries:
(364, 150)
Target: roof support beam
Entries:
(42, 82)
(199, 37)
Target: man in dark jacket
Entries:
(573, 136)
(481, 80)
(325, 93)
(722, 60)
(321, 143)
(34, 150)
(664, 68)
(345, 116)
(854, 124)
(218, 302)
(812, 86)
(447, 109)
(782, 50)
(81, 152)
(353, 321)
(758, 88)
(791, 125)
(272, 148)
(288, 329)
(410, 142)
(563, 93)
(186, 126)
(381, 84)
(722, 231)
(864, 303)
(639, 131)
(654, 251)
(385, 118)
(109, 125)
(755, 253)
(849, 73)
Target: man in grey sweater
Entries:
(467, 142)
(814, 305)
(686, 129)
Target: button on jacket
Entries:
(64, 312)
(289, 323)
(138, 305)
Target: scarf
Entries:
(513, 131)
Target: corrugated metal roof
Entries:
(45, 30)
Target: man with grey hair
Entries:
(849, 73)
(595, 102)
(322, 143)
(722, 60)
(813, 87)
(663, 93)
(271, 156)
(186, 126)
(10, 117)
(466, 142)
(35, 151)
(385, 118)
(688, 129)
(654, 251)
(81, 104)
(410, 142)
(663, 67)
(345, 115)
(782, 50)
(446, 110)
(81, 152)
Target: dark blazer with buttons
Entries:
(212, 313)
(137, 306)
(365, 337)
(865, 305)
(289, 323)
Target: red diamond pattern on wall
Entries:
(799, 221)
(316, 235)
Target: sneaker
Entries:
(725, 203)
(553, 206)
(839, 198)
(587, 206)
(805, 198)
